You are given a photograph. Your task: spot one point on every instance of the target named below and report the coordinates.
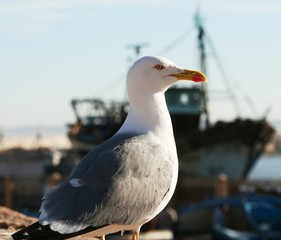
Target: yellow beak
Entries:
(192, 75)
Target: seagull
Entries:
(130, 178)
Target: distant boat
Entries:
(247, 217)
(230, 148)
(100, 121)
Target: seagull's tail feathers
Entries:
(37, 231)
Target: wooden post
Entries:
(54, 179)
(8, 191)
(221, 186)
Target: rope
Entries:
(175, 42)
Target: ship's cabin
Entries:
(185, 107)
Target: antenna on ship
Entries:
(137, 47)
(203, 68)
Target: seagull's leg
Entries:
(135, 235)
(102, 237)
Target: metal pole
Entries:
(203, 68)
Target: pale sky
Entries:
(54, 50)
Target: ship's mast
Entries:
(203, 68)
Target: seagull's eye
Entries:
(159, 67)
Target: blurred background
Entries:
(59, 54)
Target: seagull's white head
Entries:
(156, 74)
(147, 80)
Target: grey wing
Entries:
(83, 192)
(132, 175)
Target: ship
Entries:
(205, 150)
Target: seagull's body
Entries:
(129, 179)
